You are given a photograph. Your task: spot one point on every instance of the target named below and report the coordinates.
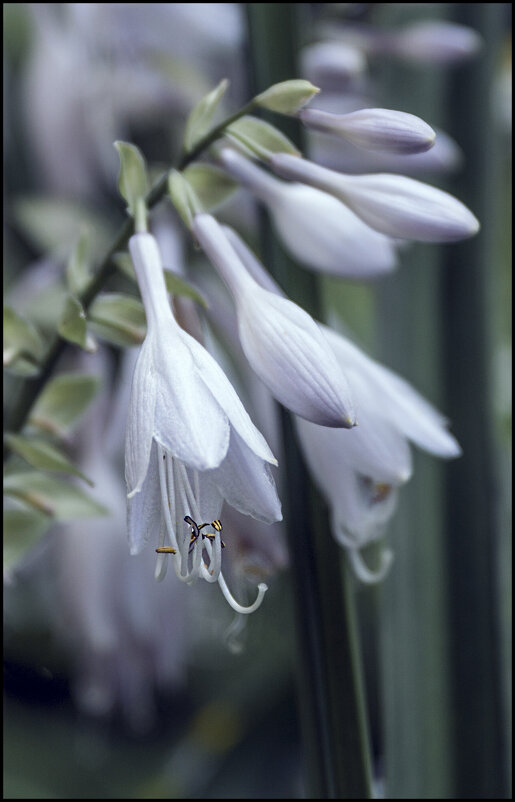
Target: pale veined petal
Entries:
(246, 482)
(287, 350)
(140, 420)
(189, 421)
(407, 409)
(219, 385)
(144, 508)
(323, 234)
(376, 449)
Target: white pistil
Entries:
(262, 589)
(363, 572)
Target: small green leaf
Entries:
(62, 500)
(43, 455)
(178, 286)
(63, 401)
(286, 97)
(23, 346)
(78, 273)
(197, 124)
(210, 184)
(182, 197)
(54, 226)
(174, 283)
(22, 530)
(260, 137)
(133, 180)
(118, 318)
(72, 326)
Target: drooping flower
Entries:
(282, 343)
(190, 444)
(315, 228)
(360, 471)
(393, 204)
(360, 476)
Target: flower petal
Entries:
(219, 385)
(392, 204)
(144, 508)
(140, 420)
(408, 410)
(189, 421)
(246, 482)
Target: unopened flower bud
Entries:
(375, 129)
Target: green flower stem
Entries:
(330, 689)
(31, 388)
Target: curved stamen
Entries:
(262, 589)
(363, 572)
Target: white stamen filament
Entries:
(178, 495)
(262, 589)
(363, 572)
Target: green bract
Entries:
(133, 180)
(73, 325)
(61, 500)
(210, 184)
(198, 122)
(43, 455)
(118, 318)
(22, 344)
(78, 270)
(287, 97)
(260, 138)
(63, 401)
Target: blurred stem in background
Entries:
(444, 726)
(331, 696)
(473, 306)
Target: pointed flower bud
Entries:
(374, 129)
(315, 228)
(287, 97)
(393, 204)
(282, 343)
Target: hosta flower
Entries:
(393, 204)
(374, 129)
(282, 343)
(190, 444)
(315, 228)
(360, 474)
(360, 471)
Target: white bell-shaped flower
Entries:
(282, 343)
(315, 228)
(360, 474)
(190, 444)
(393, 204)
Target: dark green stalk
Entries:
(331, 698)
(471, 313)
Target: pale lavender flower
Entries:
(190, 443)
(392, 204)
(360, 471)
(282, 343)
(315, 228)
